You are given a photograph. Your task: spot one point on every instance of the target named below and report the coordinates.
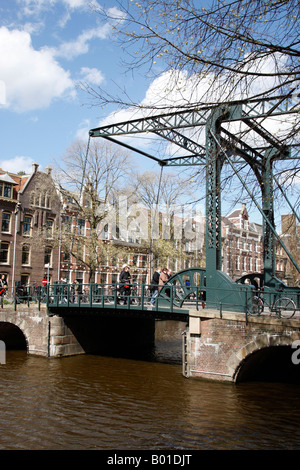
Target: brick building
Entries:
(30, 213)
(241, 244)
(291, 238)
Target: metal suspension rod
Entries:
(80, 194)
(257, 205)
(155, 213)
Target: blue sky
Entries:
(47, 48)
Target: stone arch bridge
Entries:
(226, 346)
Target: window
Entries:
(7, 190)
(67, 223)
(79, 277)
(25, 254)
(81, 225)
(41, 199)
(49, 228)
(27, 225)
(66, 256)
(48, 255)
(5, 222)
(105, 232)
(4, 247)
(24, 279)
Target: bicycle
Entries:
(284, 307)
(128, 293)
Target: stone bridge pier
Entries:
(235, 348)
(33, 329)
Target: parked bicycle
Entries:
(283, 307)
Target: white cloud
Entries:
(75, 3)
(83, 130)
(80, 45)
(32, 78)
(17, 164)
(34, 7)
(92, 75)
(2, 93)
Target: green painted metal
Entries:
(191, 288)
(184, 286)
(222, 147)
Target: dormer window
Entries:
(7, 190)
(6, 186)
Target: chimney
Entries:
(35, 167)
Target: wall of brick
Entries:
(43, 335)
(216, 347)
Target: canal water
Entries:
(108, 403)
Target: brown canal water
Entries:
(107, 403)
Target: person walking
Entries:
(163, 278)
(125, 280)
(3, 285)
(154, 284)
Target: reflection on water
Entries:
(93, 402)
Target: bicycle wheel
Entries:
(257, 305)
(285, 307)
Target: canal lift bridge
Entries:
(222, 147)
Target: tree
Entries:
(168, 230)
(222, 51)
(235, 48)
(92, 176)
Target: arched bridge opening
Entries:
(12, 336)
(270, 364)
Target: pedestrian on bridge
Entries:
(125, 280)
(163, 278)
(3, 285)
(154, 284)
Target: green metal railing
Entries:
(173, 297)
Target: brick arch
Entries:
(236, 360)
(20, 325)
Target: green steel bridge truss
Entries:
(222, 146)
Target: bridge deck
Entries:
(137, 311)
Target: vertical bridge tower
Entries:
(222, 146)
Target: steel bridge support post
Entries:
(268, 210)
(214, 163)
